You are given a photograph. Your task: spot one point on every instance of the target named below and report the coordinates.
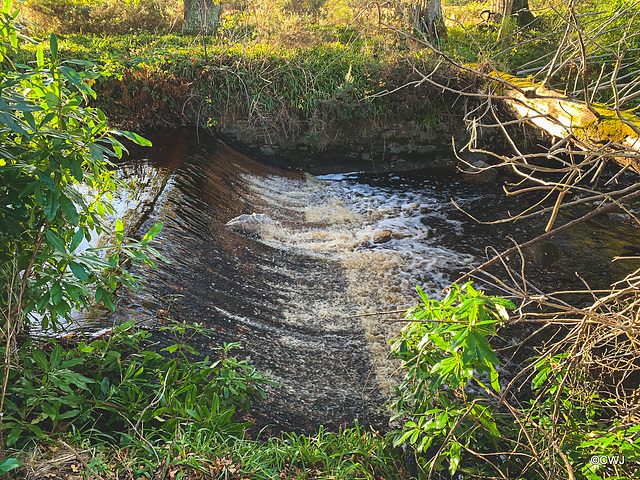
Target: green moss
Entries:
(609, 127)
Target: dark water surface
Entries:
(335, 246)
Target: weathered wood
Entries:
(201, 17)
(561, 116)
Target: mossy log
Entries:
(561, 116)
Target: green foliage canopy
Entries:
(56, 184)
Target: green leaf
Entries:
(155, 230)
(438, 341)
(78, 271)
(76, 240)
(9, 463)
(14, 435)
(40, 359)
(52, 100)
(40, 56)
(36, 430)
(104, 387)
(43, 302)
(96, 152)
(50, 116)
(469, 352)
(51, 206)
(56, 293)
(56, 356)
(73, 77)
(78, 379)
(441, 421)
(53, 43)
(28, 117)
(134, 137)
(454, 458)
(485, 349)
(76, 170)
(68, 414)
(193, 414)
(119, 230)
(493, 374)
(69, 210)
(171, 348)
(55, 241)
(458, 340)
(107, 299)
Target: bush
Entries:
(106, 17)
(118, 384)
(444, 351)
(56, 179)
(457, 416)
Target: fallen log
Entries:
(594, 126)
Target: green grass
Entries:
(348, 454)
(289, 90)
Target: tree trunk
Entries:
(201, 16)
(427, 16)
(561, 117)
(515, 8)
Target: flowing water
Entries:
(292, 287)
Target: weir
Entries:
(290, 289)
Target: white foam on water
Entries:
(333, 218)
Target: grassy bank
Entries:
(296, 72)
(297, 95)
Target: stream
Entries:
(291, 283)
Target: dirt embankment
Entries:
(405, 129)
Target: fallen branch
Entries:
(597, 211)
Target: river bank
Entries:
(296, 107)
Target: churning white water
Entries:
(383, 240)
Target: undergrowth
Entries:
(139, 412)
(172, 80)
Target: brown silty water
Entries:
(291, 286)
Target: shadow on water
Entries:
(287, 289)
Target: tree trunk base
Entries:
(201, 17)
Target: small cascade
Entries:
(286, 264)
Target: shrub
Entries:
(118, 384)
(107, 17)
(444, 351)
(56, 179)
(458, 417)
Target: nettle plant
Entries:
(445, 351)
